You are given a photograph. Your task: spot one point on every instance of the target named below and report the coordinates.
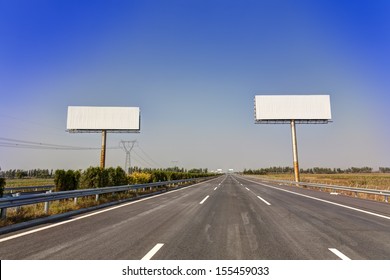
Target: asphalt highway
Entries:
(229, 217)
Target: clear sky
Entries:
(194, 67)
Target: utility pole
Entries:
(127, 146)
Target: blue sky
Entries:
(194, 67)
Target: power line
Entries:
(36, 143)
(156, 163)
(21, 125)
(144, 160)
(33, 147)
(23, 144)
(128, 147)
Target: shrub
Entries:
(178, 175)
(95, 177)
(2, 185)
(66, 180)
(117, 177)
(140, 178)
(74, 179)
(159, 176)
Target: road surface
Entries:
(229, 217)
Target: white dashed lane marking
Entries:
(152, 252)
(265, 201)
(339, 254)
(204, 199)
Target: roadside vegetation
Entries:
(11, 183)
(92, 177)
(379, 181)
(2, 185)
(95, 177)
(351, 177)
(30, 212)
(314, 170)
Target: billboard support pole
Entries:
(295, 150)
(293, 109)
(103, 151)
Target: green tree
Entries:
(66, 180)
(117, 177)
(139, 178)
(94, 177)
(59, 180)
(159, 176)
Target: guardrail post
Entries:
(47, 205)
(3, 213)
(75, 201)
(17, 207)
(97, 197)
(386, 198)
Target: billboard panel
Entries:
(283, 108)
(92, 119)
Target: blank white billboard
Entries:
(90, 119)
(282, 108)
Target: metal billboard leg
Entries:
(295, 151)
(103, 151)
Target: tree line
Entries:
(32, 173)
(384, 169)
(169, 169)
(96, 177)
(314, 170)
(46, 173)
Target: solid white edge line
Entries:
(265, 201)
(93, 214)
(339, 254)
(204, 199)
(322, 200)
(152, 252)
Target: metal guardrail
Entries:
(385, 193)
(17, 201)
